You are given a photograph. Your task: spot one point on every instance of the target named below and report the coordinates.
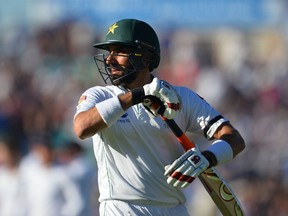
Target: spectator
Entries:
(11, 188)
(49, 190)
(81, 171)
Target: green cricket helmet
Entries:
(135, 34)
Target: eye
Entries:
(120, 51)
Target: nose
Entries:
(109, 58)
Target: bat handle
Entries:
(181, 137)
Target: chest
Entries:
(138, 121)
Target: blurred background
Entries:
(232, 52)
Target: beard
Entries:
(127, 77)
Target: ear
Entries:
(148, 60)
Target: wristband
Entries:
(210, 157)
(222, 151)
(138, 95)
(110, 110)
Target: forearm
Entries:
(89, 122)
(236, 141)
(229, 134)
(228, 144)
(126, 100)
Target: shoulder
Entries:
(99, 93)
(96, 94)
(103, 90)
(192, 101)
(186, 92)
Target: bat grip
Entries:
(181, 137)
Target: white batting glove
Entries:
(186, 168)
(170, 100)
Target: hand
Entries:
(186, 168)
(169, 105)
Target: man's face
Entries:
(118, 61)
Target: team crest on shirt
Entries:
(124, 118)
(124, 115)
(82, 98)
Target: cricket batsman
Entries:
(142, 168)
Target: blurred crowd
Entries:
(44, 70)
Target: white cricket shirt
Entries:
(132, 153)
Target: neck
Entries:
(143, 78)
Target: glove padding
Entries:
(186, 168)
(170, 100)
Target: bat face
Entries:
(225, 193)
(221, 193)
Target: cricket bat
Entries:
(215, 185)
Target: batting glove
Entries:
(159, 97)
(186, 168)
